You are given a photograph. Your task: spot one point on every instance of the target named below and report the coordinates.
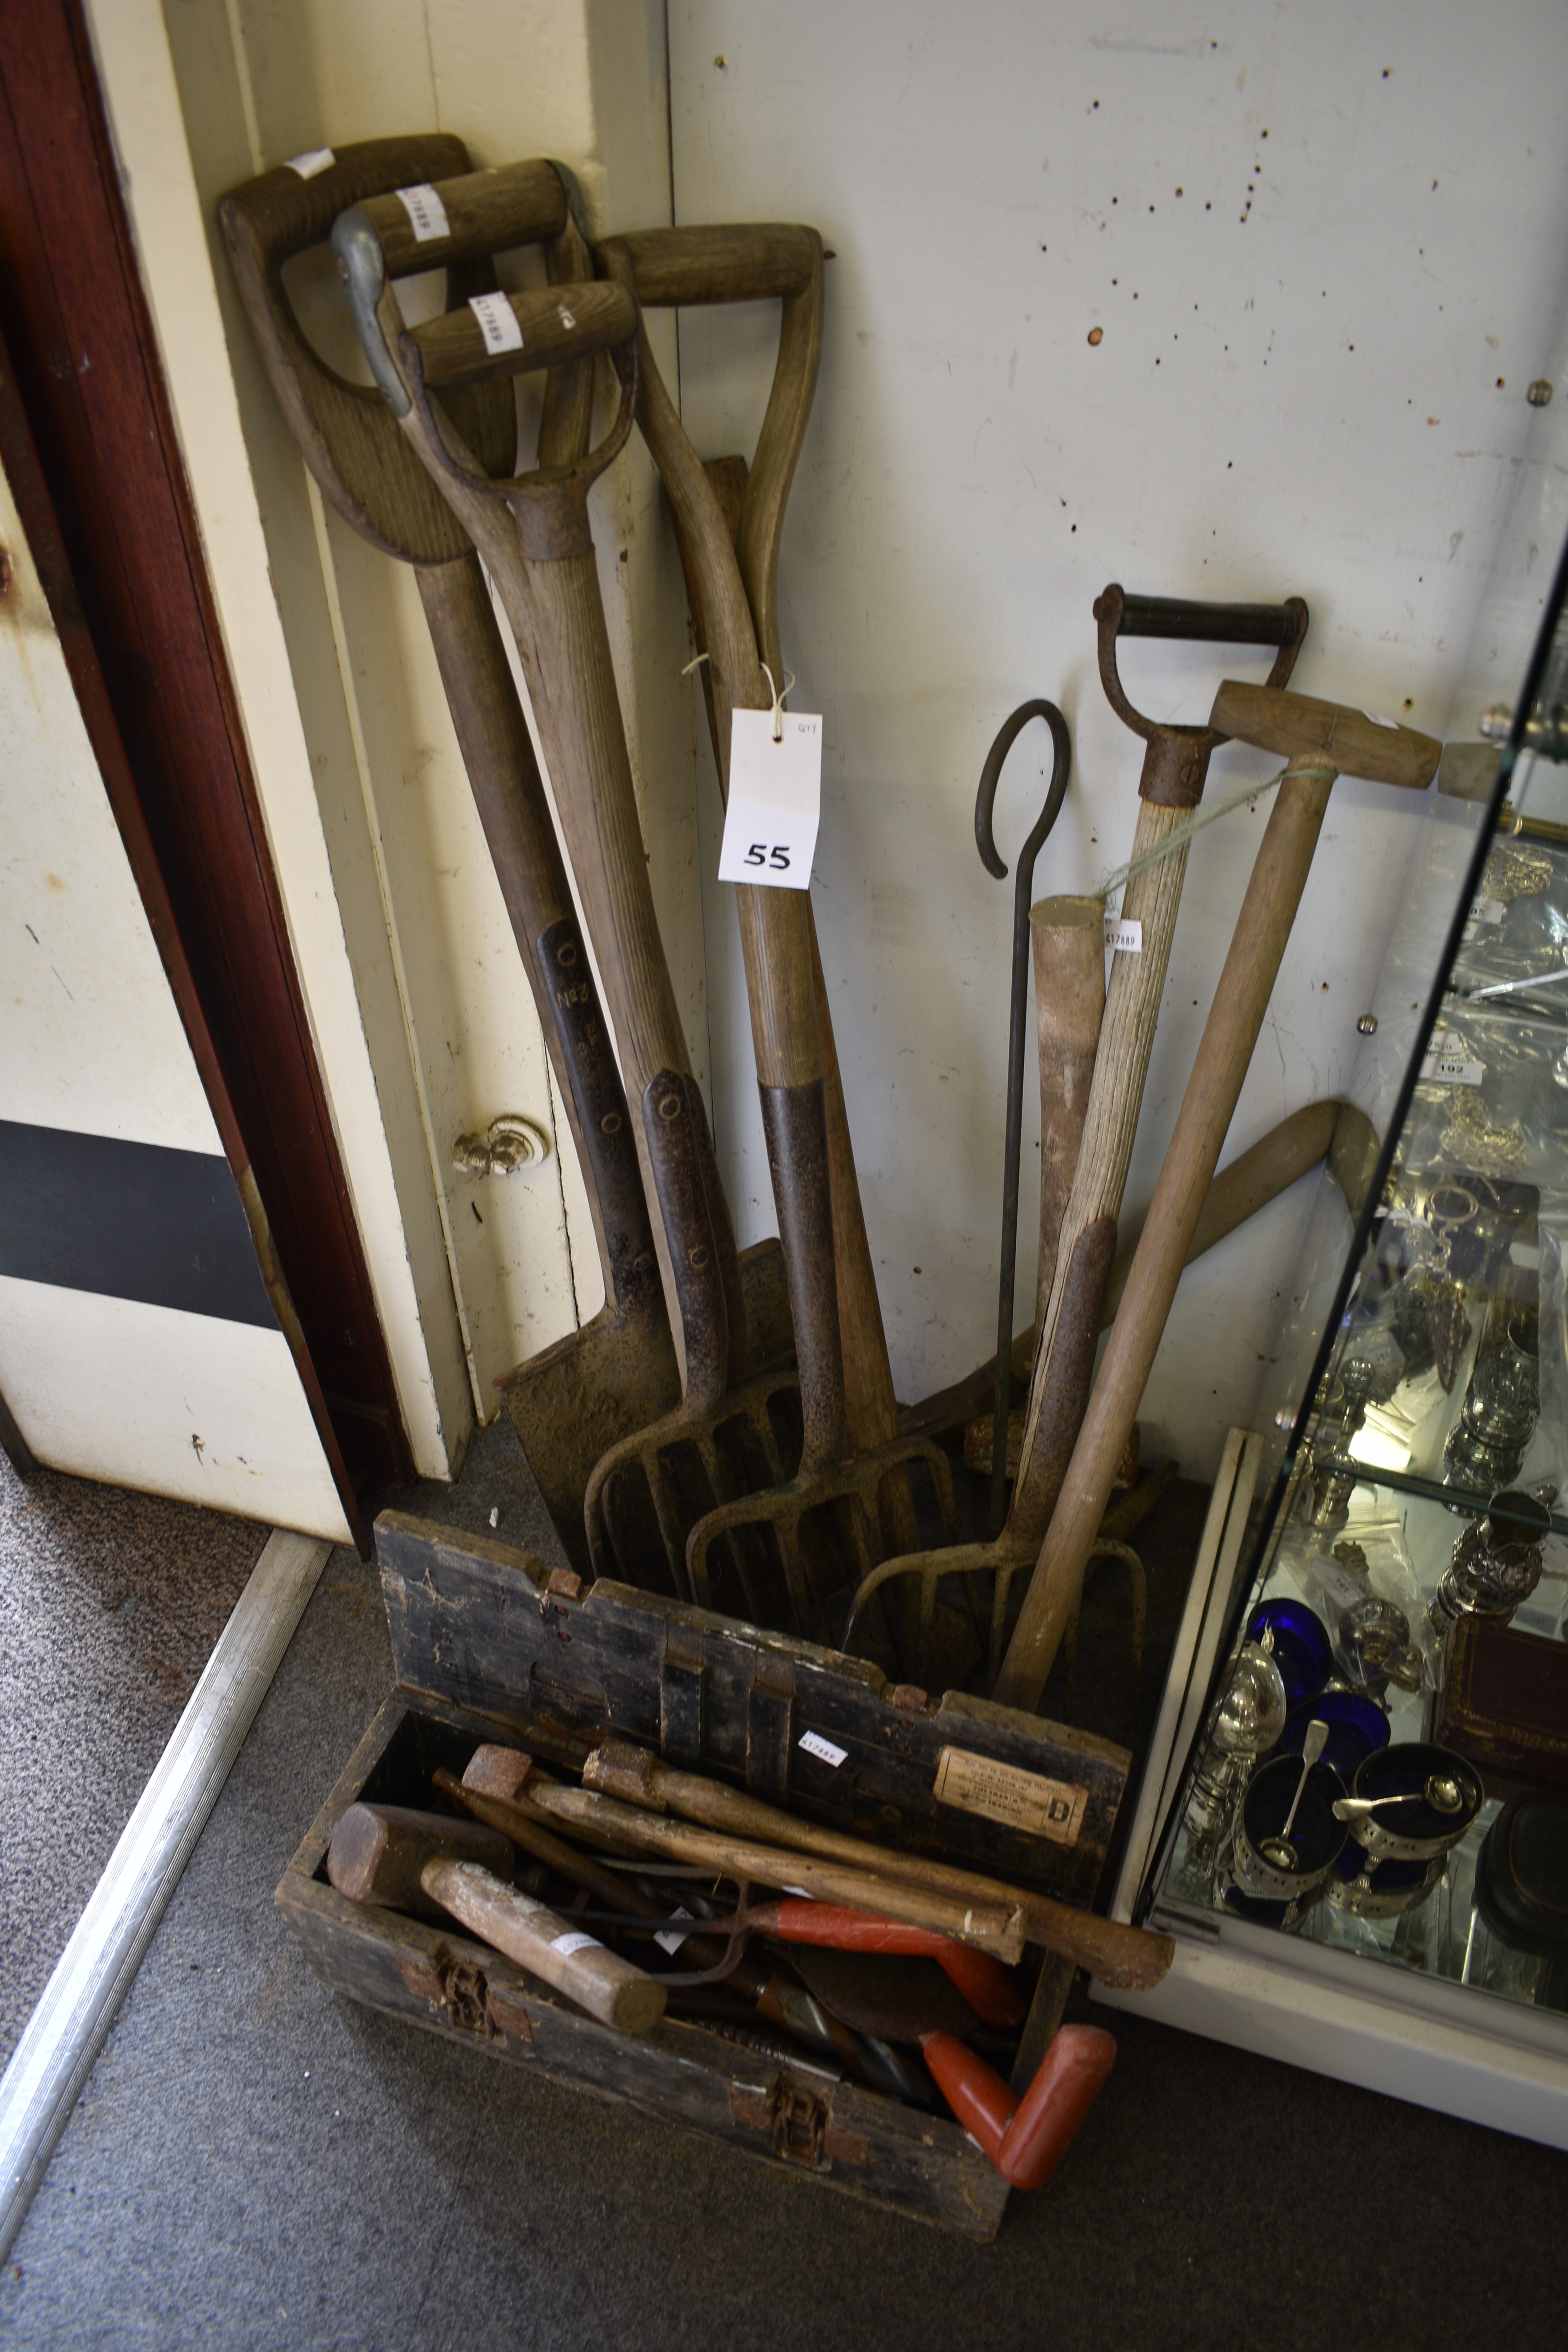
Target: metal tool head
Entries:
(378, 1852)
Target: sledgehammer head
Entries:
(378, 1852)
(1299, 727)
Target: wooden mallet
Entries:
(429, 1863)
(1320, 740)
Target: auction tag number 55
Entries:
(775, 799)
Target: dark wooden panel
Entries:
(85, 358)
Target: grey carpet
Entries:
(255, 2163)
(111, 1604)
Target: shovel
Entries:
(533, 533)
(858, 1486)
(1175, 768)
(1320, 740)
(575, 1398)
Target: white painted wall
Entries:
(1297, 389)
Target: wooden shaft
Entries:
(487, 212)
(556, 323)
(1254, 1178)
(1070, 1005)
(1064, 1362)
(678, 267)
(1241, 1000)
(995, 1927)
(599, 1980)
(1117, 1955)
(509, 793)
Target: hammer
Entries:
(428, 1863)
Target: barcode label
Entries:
(815, 1745)
(1122, 938)
(427, 213)
(497, 322)
(314, 160)
(578, 1940)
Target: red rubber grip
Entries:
(992, 1992)
(1056, 2102)
(1026, 2139)
(979, 2098)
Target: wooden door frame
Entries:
(96, 470)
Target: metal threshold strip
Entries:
(66, 2032)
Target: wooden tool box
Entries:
(490, 1645)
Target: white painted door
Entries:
(137, 1341)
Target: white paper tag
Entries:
(670, 1939)
(1378, 720)
(815, 1745)
(314, 160)
(427, 213)
(775, 799)
(1124, 937)
(578, 1940)
(801, 1891)
(1444, 1065)
(1487, 910)
(497, 322)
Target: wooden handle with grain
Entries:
(599, 1980)
(487, 212)
(1117, 1955)
(683, 268)
(1241, 1000)
(998, 1927)
(1300, 727)
(1070, 1005)
(556, 326)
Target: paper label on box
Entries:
(670, 1939)
(1005, 1792)
(1378, 720)
(578, 1940)
(815, 1745)
(497, 322)
(1122, 938)
(775, 799)
(1487, 910)
(427, 213)
(314, 160)
(1444, 1065)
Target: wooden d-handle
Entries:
(677, 268)
(1300, 728)
(556, 324)
(486, 212)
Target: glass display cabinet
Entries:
(1354, 1818)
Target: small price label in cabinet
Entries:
(1443, 1063)
(775, 799)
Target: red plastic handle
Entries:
(992, 1992)
(1026, 2139)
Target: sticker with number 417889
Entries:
(760, 853)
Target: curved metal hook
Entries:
(990, 776)
(1023, 891)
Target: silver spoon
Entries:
(1442, 1792)
(1279, 1850)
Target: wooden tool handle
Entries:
(509, 793)
(994, 1927)
(1064, 1362)
(1300, 727)
(1241, 1000)
(556, 325)
(1216, 624)
(1127, 1957)
(1027, 2138)
(686, 267)
(1070, 1005)
(487, 212)
(599, 1980)
(279, 214)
